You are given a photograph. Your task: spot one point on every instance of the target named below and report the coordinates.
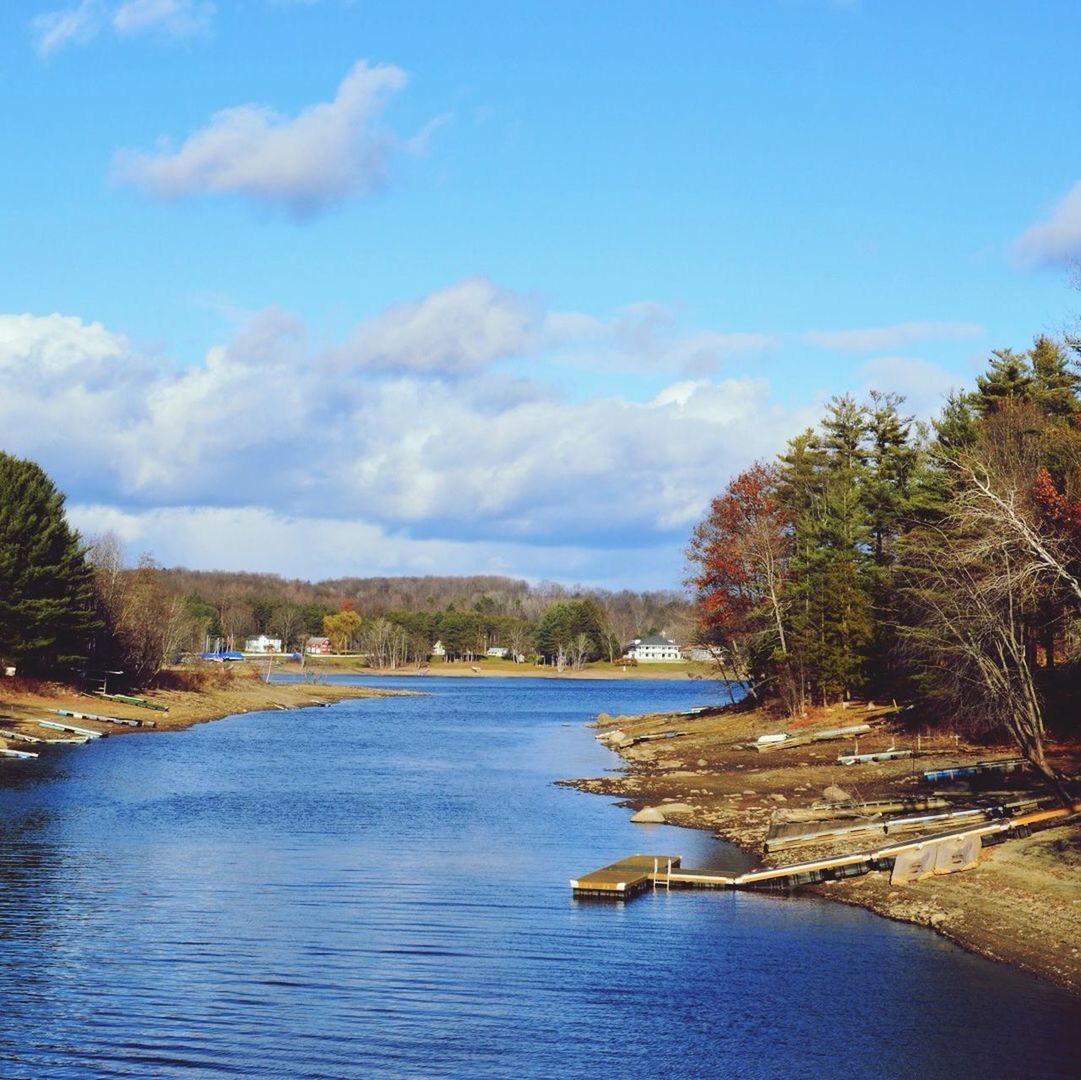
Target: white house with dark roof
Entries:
(653, 649)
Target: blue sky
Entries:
(329, 288)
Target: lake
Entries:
(380, 889)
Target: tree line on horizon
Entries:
(68, 606)
(939, 564)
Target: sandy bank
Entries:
(1021, 904)
(23, 702)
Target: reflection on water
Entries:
(381, 889)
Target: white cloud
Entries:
(77, 25)
(454, 330)
(1056, 239)
(881, 338)
(55, 345)
(82, 23)
(306, 163)
(175, 17)
(432, 468)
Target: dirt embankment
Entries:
(204, 696)
(1021, 904)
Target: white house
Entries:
(438, 649)
(653, 650)
(500, 652)
(262, 643)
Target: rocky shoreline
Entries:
(1021, 904)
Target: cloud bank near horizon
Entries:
(437, 437)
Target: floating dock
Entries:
(626, 878)
(18, 736)
(981, 768)
(127, 699)
(632, 876)
(123, 720)
(87, 733)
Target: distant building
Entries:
(439, 650)
(262, 643)
(500, 652)
(318, 646)
(653, 650)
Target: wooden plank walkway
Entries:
(629, 877)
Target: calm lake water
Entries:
(380, 889)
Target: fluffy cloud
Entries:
(80, 24)
(1056, 239)
(455, 330)
(265, 432)
(882, 338)
(305, 163)
(55, 345)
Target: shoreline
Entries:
(487, 669)
(227, 693)
(1020, 905)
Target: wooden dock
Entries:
(629, 877)
(624, 879)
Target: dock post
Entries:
(654, 875)
(668, 878)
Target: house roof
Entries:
(655, 640)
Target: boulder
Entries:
(835, 794)
(648, 815)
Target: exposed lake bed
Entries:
(381, 890)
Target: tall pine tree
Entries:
(46, 587)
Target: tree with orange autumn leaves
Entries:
(939, 565)
(739, 556)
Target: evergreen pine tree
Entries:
(1055, 387)
(831, 613)
(1009, 379)
(46, 587)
